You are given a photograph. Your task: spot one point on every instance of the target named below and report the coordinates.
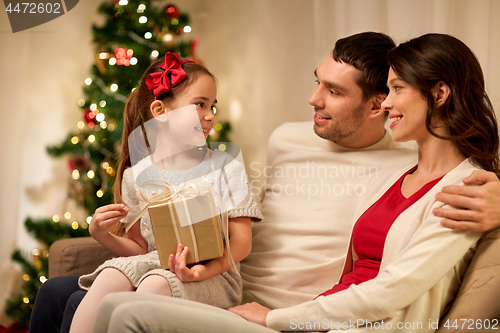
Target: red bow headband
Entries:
(160, 82)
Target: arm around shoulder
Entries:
(477, 204)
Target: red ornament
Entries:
(78, 162)
(89, 117)
(71, 165)
(123, 56)
(14, 328)
(172, 11)
(194, 56)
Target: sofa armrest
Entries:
(76, 256)
(480, 290)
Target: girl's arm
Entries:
(240, 241)
(104, 220)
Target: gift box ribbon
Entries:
(186, 191)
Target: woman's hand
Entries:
(253, 312)
(105, 218)
(177, 265)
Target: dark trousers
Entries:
(55, 305)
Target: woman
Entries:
(436, 98)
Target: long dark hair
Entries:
(137, 112)
(467, 114)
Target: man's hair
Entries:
(367, 52)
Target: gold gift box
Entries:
(194, 217)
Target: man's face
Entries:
(338, 103)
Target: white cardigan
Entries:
(420, 273)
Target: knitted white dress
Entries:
(223, 290)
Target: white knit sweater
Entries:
(313, 191)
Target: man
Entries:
(319, 177)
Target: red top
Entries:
(370, 231)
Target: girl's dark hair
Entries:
(467, 114)
(137, 112)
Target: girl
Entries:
(403, 268)
(172, 94)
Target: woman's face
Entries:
(407, 110)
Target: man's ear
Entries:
(158, 110)
(441, 93)
(376, 109)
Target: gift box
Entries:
(192, 222)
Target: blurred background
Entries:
(263, 53)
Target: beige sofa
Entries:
(477, 300)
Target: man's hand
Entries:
(177, 265)
(253, 312)
(478, 203)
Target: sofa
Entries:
(478, 298)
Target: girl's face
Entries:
(407, 110)
(203, 94)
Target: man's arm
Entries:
(479, 201)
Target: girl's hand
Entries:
(177, 265)
(105, 218)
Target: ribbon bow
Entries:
(188, 190)
(173, 74)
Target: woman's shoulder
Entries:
(461, 171)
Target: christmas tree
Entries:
(135, 33)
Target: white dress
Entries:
(223, 290)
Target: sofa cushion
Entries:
(479, 294)
(76, 256)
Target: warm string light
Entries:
(107, 91)
(137, 38)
